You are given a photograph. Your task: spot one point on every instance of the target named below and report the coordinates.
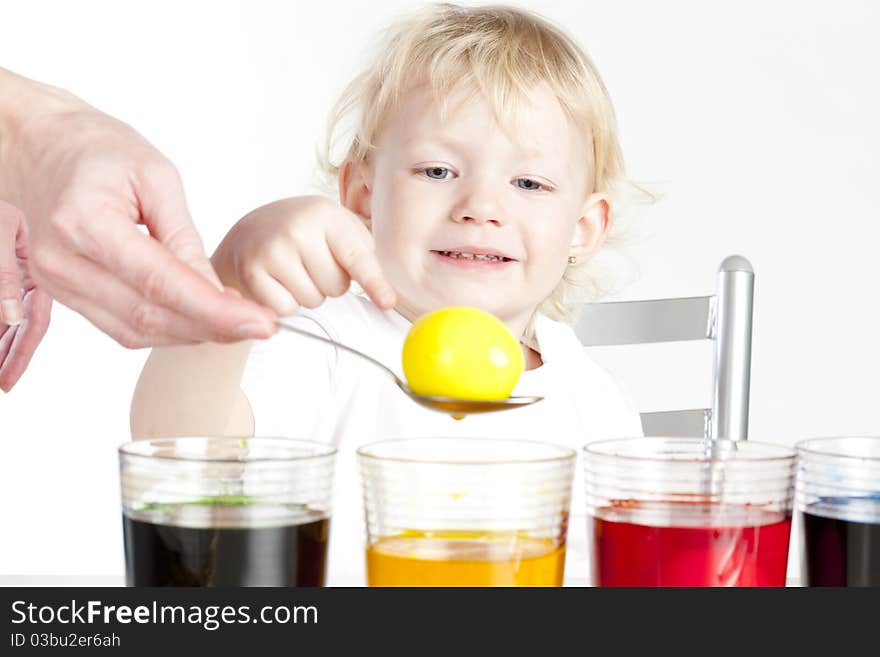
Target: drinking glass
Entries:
(466, 511)
(211, 511)
(838, 501)
(688, 512)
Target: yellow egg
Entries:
(463, 353)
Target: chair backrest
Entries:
(725, 318)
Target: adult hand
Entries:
(85, 181)
(24, 308)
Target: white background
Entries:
(757, 122)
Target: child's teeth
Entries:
(471, 256)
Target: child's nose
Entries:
(478, 208)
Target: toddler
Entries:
(479, 161)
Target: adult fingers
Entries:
(7, 335)
(353, 250)
(155, 273)
(119, 330)
(27, 337)
(11, 232)
(126, 315)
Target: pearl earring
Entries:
(572, 260)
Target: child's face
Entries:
(438, 193)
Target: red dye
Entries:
(689, 544)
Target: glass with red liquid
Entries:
(838, 505)
(688, 512)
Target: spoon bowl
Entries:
(457, 408)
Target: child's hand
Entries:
(299, 251)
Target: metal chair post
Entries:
(732, 331)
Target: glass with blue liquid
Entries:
(838, 500)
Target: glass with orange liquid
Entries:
(466, 511)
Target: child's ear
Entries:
(592, 227)
(354, 188)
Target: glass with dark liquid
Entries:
(838, 503)
(688, 512)
(466, 512)
(226, 511)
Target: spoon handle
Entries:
(339, 345)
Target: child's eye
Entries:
(437, 173)
(529, 184)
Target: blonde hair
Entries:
(502, 52)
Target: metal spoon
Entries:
(458, 408)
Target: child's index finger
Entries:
(366, 271)
(355, 255)
(382, 294)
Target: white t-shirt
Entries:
(299, 388)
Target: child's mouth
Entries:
(471, 260)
